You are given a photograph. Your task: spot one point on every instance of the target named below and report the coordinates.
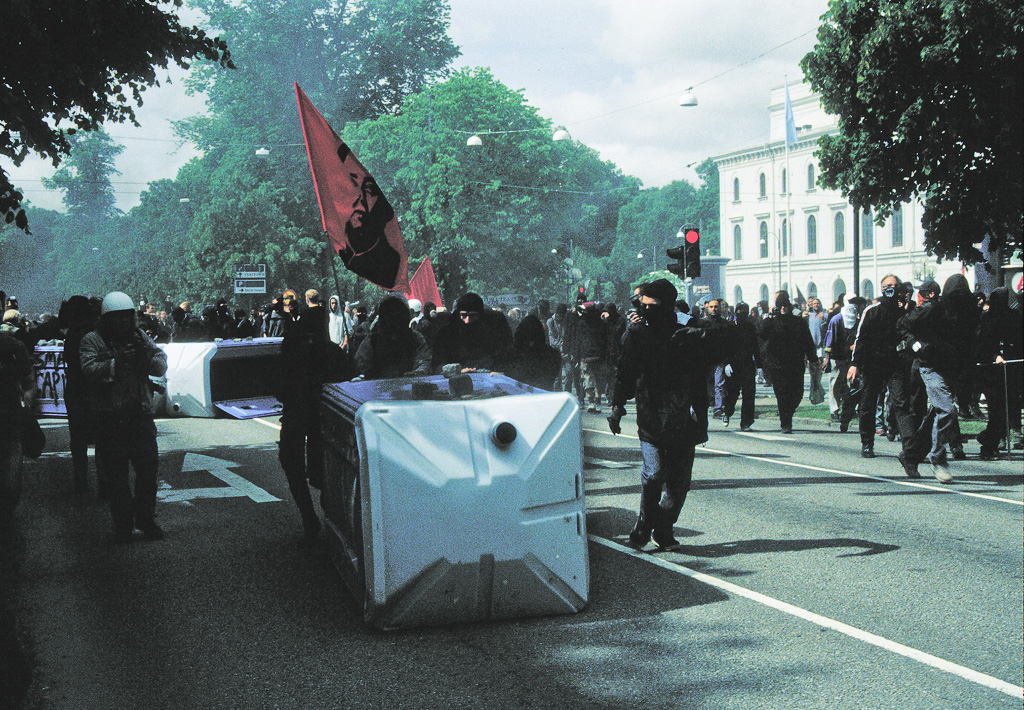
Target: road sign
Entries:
(250, 286)
(252, 271)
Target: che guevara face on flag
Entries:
(358, 220)
(368, 220)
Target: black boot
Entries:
(640, 535)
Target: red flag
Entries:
(359, 221)
(423, 285)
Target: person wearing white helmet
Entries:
(117, 360)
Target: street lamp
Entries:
(688, 98)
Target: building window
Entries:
(812, 235)
(737, 243)
(785, 237)
(737, 295)
(764, 292)
(735, 189)
(867, 289)
(783, 181)
(810, 176)
(763, 185)
(812, 290)
(763, 234)
(867, 231)
(838, 289)
(839, 230)
(896, 223)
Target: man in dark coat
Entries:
(741, 369)
(1001, 341)
(785, 346)
(942, 335)
(475, 338)
(664, 367)
(876, 361)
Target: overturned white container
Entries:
(455, 509)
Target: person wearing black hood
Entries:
(876, 361)
(393, 349)
(942, 336)
(1001, 341)
(664, 367)
(784, 346)
(533, 361)
(475, 338)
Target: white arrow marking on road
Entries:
(237, 486)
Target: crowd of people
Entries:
(904, 367)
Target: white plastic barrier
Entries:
(444, 509)
(201, 375)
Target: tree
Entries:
(71, 65)
(488, 215)
(927, 94)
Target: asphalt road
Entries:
(807, 577)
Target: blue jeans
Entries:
(664, 482)
(942, 417)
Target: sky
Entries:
(610, 71)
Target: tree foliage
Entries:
(927, 94)
(70, 65)
(488, 215)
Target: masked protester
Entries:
(663, 366)
(785, 345)
(117, 360)
(474, 338)
(876, 362)
(393, 349)
(942, 336)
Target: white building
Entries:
(766, 188)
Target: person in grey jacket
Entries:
(117, 360)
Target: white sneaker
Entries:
(941, 471)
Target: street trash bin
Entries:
(444, 508)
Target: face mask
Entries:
(889, 292)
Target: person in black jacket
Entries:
(785, 346)
(942, 335)
(741, 369)
(533, 361)
(1001, 341)
(664, 367)
(475, 338)
(876, 361)
(393, 349)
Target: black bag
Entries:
(33, 440)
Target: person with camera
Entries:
(664, 367)
(117, 361)
(784, 345)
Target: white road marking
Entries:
(763, 437)
(264, 422)
(604, 463)
(237, 486)
(927, 659)
(851, 474)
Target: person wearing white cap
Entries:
(117, 360)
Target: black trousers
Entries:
(789, 390)
(301, 453)
(741, 384)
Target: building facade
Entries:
(780, 229)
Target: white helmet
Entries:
(116, 301)
(415, 306)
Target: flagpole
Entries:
(790, 127)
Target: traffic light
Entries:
(691, 253)
(678, 268)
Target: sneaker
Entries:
(151, 531)
(787, 430)
(746, 428)
(867, 451)
(725, 421)
(941, 471)
(959, 455)
(909, 467)
(891, 435)
(988, 454)
(844, 427)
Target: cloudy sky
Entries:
(610, 71)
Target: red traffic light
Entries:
(692, 236)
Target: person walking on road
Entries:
(117, 361)
(664, 367)
(785, 345)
